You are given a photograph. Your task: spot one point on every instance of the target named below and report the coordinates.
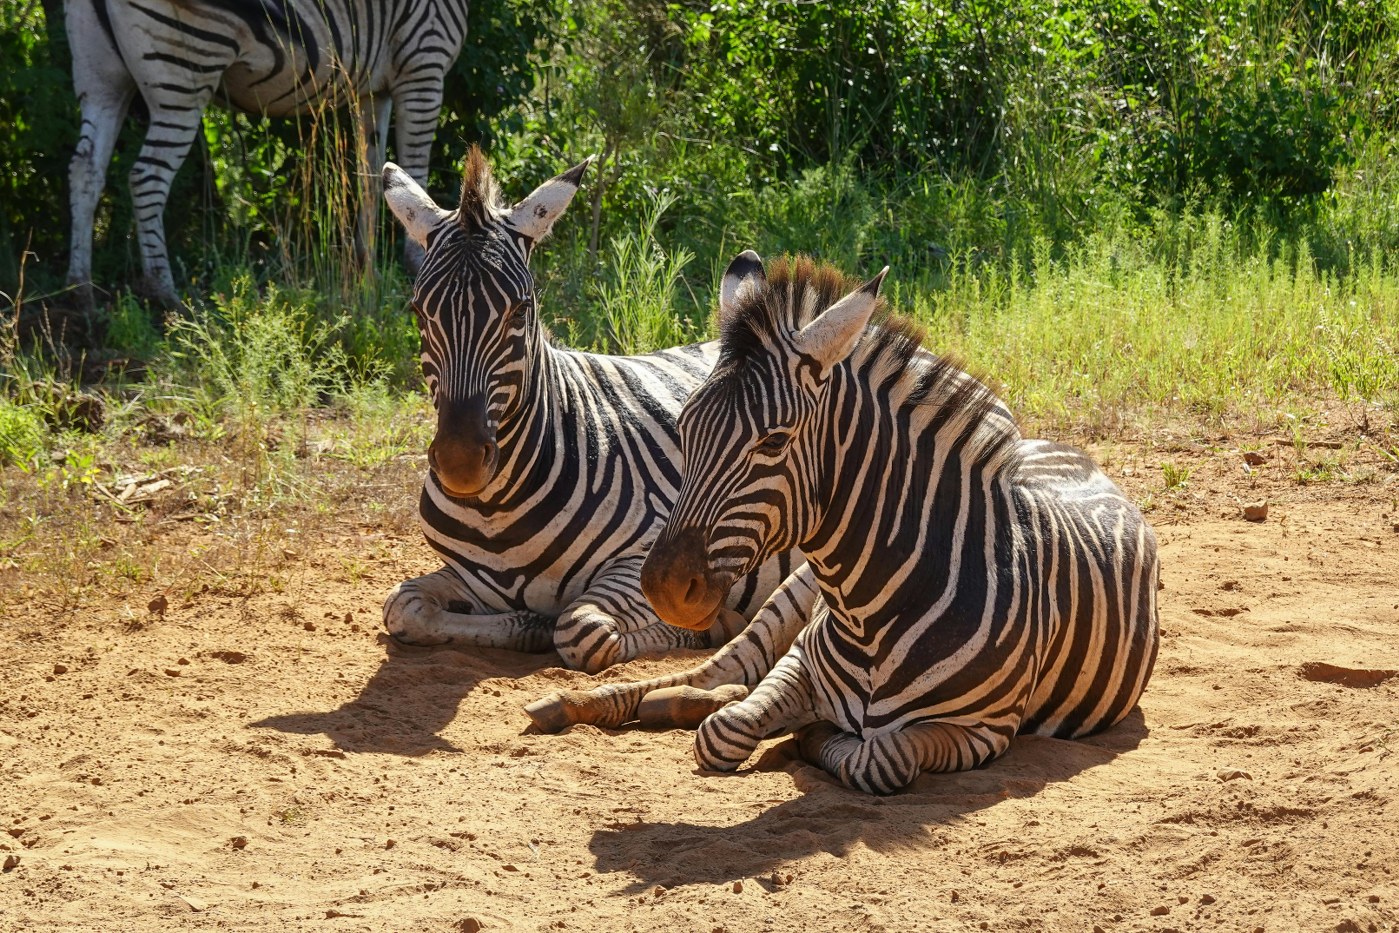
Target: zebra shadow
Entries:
(412, 696)
(831, 818)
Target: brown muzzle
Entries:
(464, 454)
(678, 583)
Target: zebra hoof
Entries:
(726, 625)
(811, 739)
(686, 707)
(550, 714)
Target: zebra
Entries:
(551, 470)
(273, 57)
(973, 584)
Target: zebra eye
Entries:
(774, 443)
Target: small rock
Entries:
(1256, 512)
(309, 626)
(1160, 911)
(955, 897)
(60, 668)
(11, 861)
(239, 842)
(391, 843)
(738, 887)
(183, 662)
(508, 868)
(1207, 899)
(1373, 898)
(349, 617)
(1232, 774)
(1097, 929)
(159, 605)
(469, 925)
(1254, 458)
(1181, 899)
(172, 672)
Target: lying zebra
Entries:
(975, 584)
(551, 471)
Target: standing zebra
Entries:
(551, 470)
(975, 584)
(274, 57)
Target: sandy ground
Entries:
(272, 763)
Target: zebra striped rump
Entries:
(974, 584)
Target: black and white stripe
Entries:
(274, 57)
(974, 584)
(551, 470)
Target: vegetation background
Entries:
(1119, 209)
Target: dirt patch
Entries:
(270, 762)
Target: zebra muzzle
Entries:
(676, 579)
(463, 467)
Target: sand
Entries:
(272, 762)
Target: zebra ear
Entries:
(744, 276)
(833, 335)
(535, 215)
(411, 204)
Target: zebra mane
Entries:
(891, 352)
(480, 195)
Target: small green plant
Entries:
(638, 289)
(1175, 476)
(22, 433)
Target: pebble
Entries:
(738, 887)
(1160, 911)
(1232, 774)
(239, 842)
(470, 925)
(1254, 458)
(1256, 512)
(159, 605)
(1207, 899)
(60, 668)
(11, 861)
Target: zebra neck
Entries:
(909, 502)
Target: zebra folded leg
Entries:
(612, 622)
(436, 609)
(782, 702)
(889, 761)
(744, 661)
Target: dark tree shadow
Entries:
(411, 698)
(831, 818)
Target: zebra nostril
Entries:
(488, 452)
(694, 591)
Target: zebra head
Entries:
(751, 434)
(474, 301)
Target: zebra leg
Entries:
(175, 115)
(104, 88)
(887, 762)
(612, 622)
(742, 662)
(374, 128)
(417, 102)
(782, 702)
(436, 609)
